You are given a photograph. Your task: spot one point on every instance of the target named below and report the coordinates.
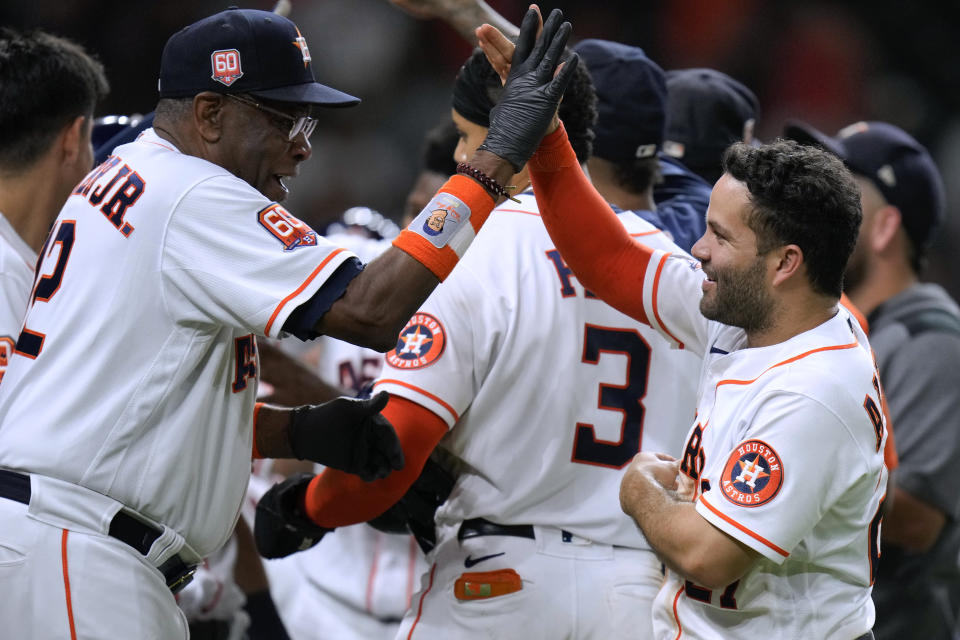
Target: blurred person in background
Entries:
(358, 581)
(707, 111)
(49, 87)
(915, 332)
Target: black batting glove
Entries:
(281, 527)
(347, 434)
(531, 94)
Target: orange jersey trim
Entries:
(676, 614)
(424, 392)
(645, 233)
(299, 289)
(656, 291)
(788, 361)
(529, 213)
(855, 312)
(66, 584)
(729, 520)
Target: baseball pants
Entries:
(61, 583)
(538, 583)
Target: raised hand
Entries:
(349, 435)
(533, 89)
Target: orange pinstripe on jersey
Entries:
(752, 534)
(303, 286)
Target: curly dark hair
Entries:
(804, 196)
(47, 82)
(439, 144)
(478, 87)
(638, 174)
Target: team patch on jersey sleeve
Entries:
(287, 228)
(753, 474)
(421, 343)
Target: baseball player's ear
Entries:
(73, 137)
(887, 221)
(789, 259)
(208, 115)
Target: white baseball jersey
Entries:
(787, 454)
(357, 583)
(550, 390)
(136, 372)
(17, 262)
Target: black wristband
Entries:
(485, 181)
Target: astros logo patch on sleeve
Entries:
(421, 343)
(753, 474)
(287, 228)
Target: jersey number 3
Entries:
(626, 398)
(31, 342)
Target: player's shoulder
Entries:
(831, 364)
(159, 161)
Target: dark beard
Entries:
(740, 299)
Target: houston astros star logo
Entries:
(301, 43)
(420, 343)
(753, 474)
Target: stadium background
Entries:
(828, 63)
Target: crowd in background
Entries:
(828, 64)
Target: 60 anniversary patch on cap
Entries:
(244, 51)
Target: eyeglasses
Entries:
(298, 124)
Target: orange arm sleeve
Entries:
(586, 231)
(335, 498)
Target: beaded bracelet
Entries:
(488, 183)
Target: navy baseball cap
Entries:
(898, 165)
(631, 100)
(707, 111)
(244, 51)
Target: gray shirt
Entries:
(916, 338)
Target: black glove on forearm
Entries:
(349, 435)
(531, 94)
(281, 527)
